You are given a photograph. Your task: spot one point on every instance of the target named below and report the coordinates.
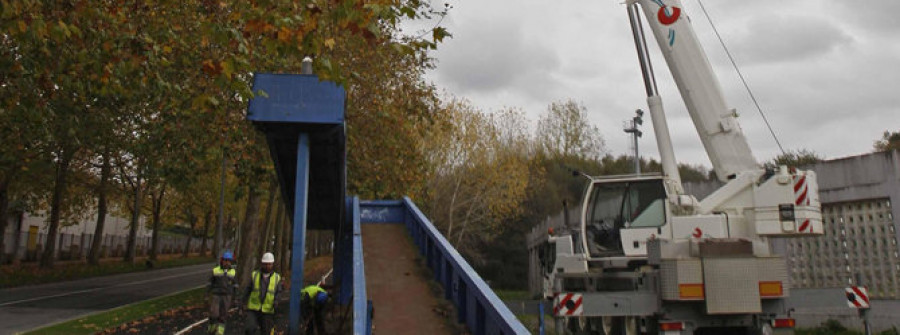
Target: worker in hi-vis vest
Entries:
(222, 287)
(262, 296)
(312, 300)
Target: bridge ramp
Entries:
(404, 301)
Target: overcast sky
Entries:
(826, 72)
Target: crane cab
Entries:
(620, 213)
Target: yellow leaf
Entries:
(227, 68)
(284, 34)
(329, 43)
(22, 26)
(167, 49)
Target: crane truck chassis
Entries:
(643, 257)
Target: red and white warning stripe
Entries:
(801, 198)
(567, 304)
(806, 227)
(801, 191)
(857, 296)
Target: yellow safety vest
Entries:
(311, 291)
(268, 304)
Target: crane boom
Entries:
(715, 122)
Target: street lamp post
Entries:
(632, 128)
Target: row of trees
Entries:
(138, 107)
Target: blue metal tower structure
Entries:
(303, 119)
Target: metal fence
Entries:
(29, 247)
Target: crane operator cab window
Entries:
(613, 206)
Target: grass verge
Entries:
(513, 295)
(31, 274)
(107, 319)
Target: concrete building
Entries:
(859, 196)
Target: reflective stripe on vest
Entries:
(267, 305)
(218, 272)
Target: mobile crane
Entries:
(647, 258)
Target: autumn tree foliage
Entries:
(890, 140)
(564, 131)
(478, 173)
(145, 97)
(797, 158)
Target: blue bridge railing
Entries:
(362, 308)
(476, 304)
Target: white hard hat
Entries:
(268, 258)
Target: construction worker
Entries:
(312, 300)
(221, 288)
(262, 296)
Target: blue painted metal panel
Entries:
(382, 211)
(477, 305)
(296, 98)
(299, 245)
(361, 315)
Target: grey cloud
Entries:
(774, 38)
(878, 16)
(486, 57)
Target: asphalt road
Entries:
(26, 308)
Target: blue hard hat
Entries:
(228, 255)
(321, 297)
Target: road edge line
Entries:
(108, 310)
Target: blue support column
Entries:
(298, 250)
(343, 257)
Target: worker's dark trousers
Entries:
(218, 310)
(259, 323)
(314, 323)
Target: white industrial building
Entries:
(26, 234)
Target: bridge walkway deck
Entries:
(405, 302)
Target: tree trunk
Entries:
(206, 225)
(96, 244)
(135, 219)
(218, 242)
(249, 233)
(192, 219)
(18, 238)
(286, 240)
(279, 233)
(56, 202)
(4, 206)
(265, 237)
(157, 212)
(228, 243)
